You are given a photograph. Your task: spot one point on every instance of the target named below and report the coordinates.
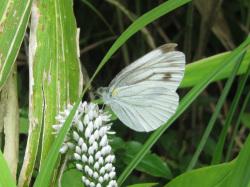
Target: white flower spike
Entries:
(88, 140)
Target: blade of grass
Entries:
(6, 179)
(219, 147)
(212, 120)
(185, 102)
(46, 171)
(245, 102)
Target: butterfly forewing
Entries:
(156, 65)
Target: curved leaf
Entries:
(196, 71)
(213, 176)
(14, 17)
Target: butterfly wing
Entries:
(143, 95)
(162, 64)
(146, 111)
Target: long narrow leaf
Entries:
(14, 17)
(55, 77)
(242, 110)
(195, 71)
(219, 147)
(212, 120)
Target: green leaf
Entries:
(233, 174)
(151, 163)
(6, 179)
(72, 178)
(55, 77)
(24, 125)
(62, 75)
(23, 120)
(220, 145)
(237, 125)
(144, 185)
(206, 177)
(216, 112)
(14, 17)
(196, 71)
(241, 172)
(185, 102)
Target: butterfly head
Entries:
(104, 93)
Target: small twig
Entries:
(96, 44)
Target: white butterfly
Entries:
(143, 95)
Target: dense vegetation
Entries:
(210, 129)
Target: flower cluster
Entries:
(88, 138)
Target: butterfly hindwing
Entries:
(145, 112)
